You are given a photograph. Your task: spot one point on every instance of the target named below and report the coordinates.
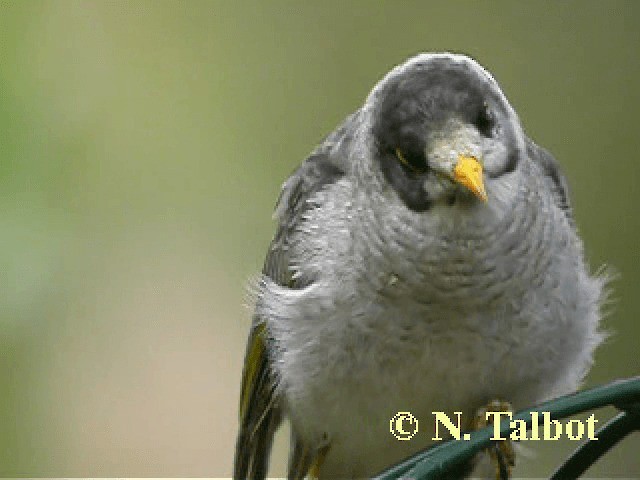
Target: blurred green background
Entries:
(142, 147)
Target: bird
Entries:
(426, 258)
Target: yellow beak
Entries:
(468, 172)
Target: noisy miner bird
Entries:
(425, 259)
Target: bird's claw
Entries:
(501, 452)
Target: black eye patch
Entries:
(415, 162)
(485, 121)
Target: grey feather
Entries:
(553, 173)
(325, 165)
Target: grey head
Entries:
(430, 136)
(431, 118)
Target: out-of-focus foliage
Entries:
(142, 146)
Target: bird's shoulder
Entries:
(553, 177)
(326, 164)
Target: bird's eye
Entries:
(485, 121)
(415, 163)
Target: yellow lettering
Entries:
(520, 432)
(496, 423)
(580, 428)
(454, 430)
(591, 427)
(546, 427)
(535, 434)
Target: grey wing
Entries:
(260, 407)
(554, 177)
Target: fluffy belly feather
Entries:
(447, 328)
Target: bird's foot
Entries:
(314, 471)
(501, 452)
